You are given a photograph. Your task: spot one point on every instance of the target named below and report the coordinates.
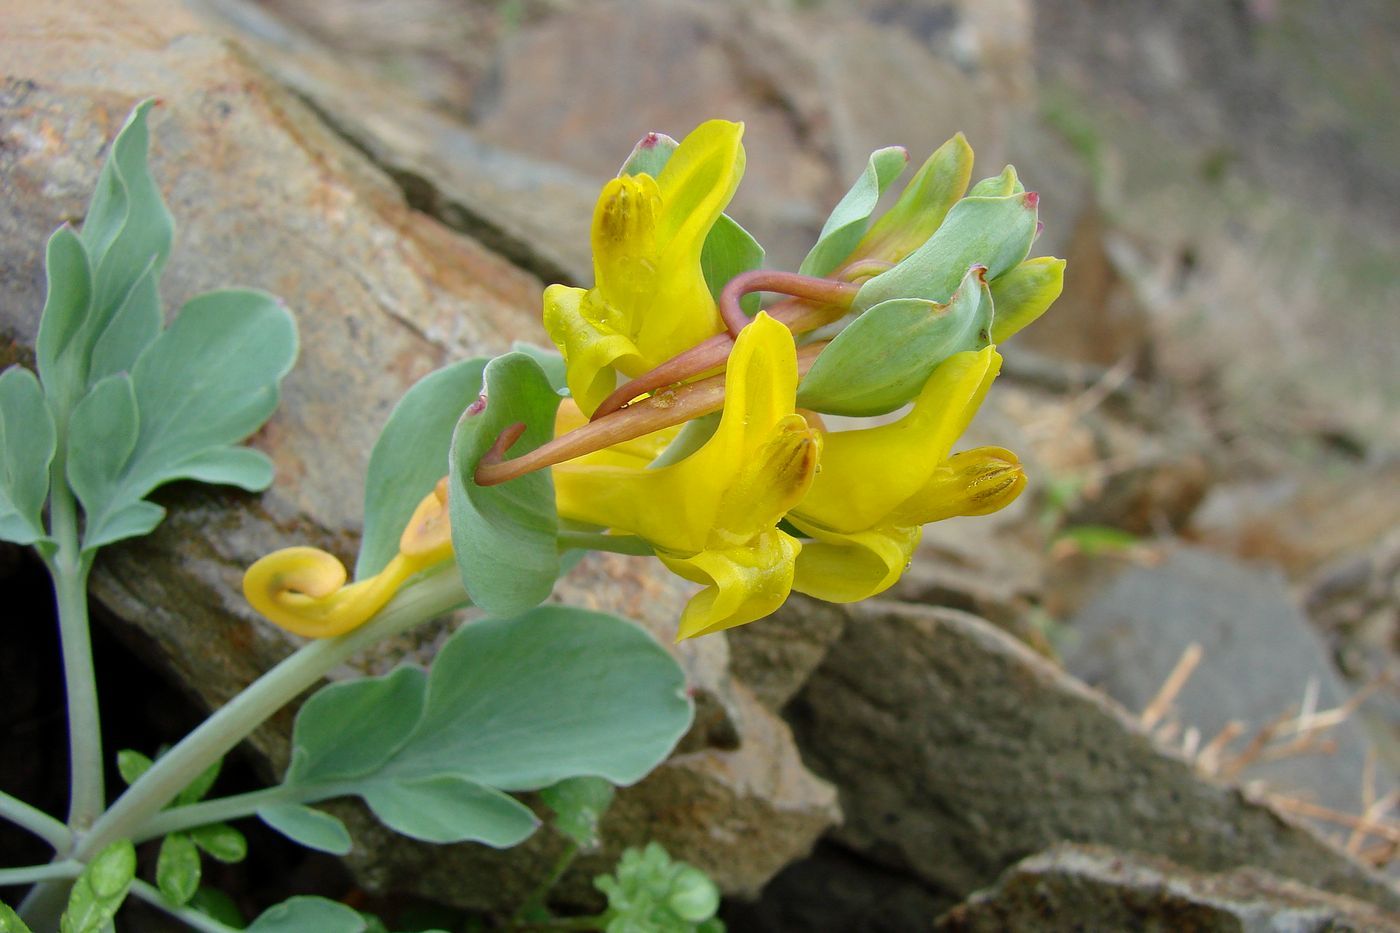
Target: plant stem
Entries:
(432, 595)
(69, 569)
(32, 873)
(536, 900)
(193, 918)
(36, 821)
(213, 811)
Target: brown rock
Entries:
(966, 750)
(1072, 887)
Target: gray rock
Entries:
(958, 750)
(267, 195)
(1073, 887)
(1260, 655)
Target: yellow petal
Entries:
(302, 590)
(697, 183)
(848, 568)
(743, 583)
(625, 247)
(867, 474)
(974, 482)
(592, 337)
(759, 461)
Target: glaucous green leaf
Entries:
(511, 704)
(10, 921)
(216, 904)
(102, 433)
(995, 232)
(135, 323)
(315, 829)
(730, 250)
(127, 226)
(1025, 293)
(27, 443)
(131, 765)
(177, 868)
(505, 537)
(550, 360)
(100, 889)
(925, 201)
(883, 358)
(848, 220)
(998, 186)
(221, 841)
(305, 914)
(410, 456)
(59, 349)
(649, 156)
(377, 714)
(447, 808)
(578, 805)
(207, 382)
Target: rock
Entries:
(1072, 887)
(267, 195)
(1260, 658)
(966, 751)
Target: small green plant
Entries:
(488, 478)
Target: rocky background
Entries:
(1159, 691)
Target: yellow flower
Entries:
(878, 486)
(712, 516)
(649, 301)
(303, 589)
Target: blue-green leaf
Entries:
(60, 353)
(102, 434)
(306, 914)
(27, 443)
(883, 358)
(447, 808)
(995, 232)
(510, 704)
(100, 889)
(208, 381)
(178, 868)
(410, 456)
(848, 220)
(550, 360)
(313, 828)
(505, 537)
(379, 713)
(127, 229)
(730, 250)
(133, 326)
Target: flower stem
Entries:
(36, 821)
(432, 595)
(823, 291)
(535, 903)
(32, 873)
(69, 569)
(599, 541)
(194, 919)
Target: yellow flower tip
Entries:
(974, 482)
(428, 535)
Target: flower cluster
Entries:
(697, 422)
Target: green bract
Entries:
(505, 537)
(650, 893)
(848, 220)
(509, 705)
(579, 804)
(884, 357)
